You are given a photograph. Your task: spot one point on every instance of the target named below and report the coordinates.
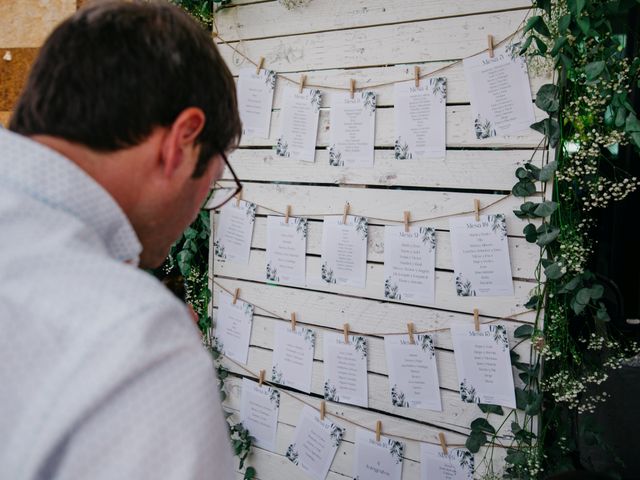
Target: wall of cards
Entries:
(436, 149)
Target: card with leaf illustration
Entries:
(456, 464)
(255, 99)
(314, 444)
(299, 129)
(409, 264)
(286, 251)
(413, 373)
(352, 130)
(259, 408)
(233, 232)
(483, 362)
(480, 252)
(345, 369)
(344, 251)
(293, 356)
(233, 328)
(500, 93)
(420, 119)
(377, 460)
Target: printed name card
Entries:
(259, 407)
(293, 357)
(314, 444)
(484, 365)
(300, 114)
(500, 92)
(344, 251)
(377, 460)
(480, 253)
(420, 119)
(457, 464)
(409, 264)
(413, 374)
(255, 99)
(352, 130)
(345, 369)
(233, 328)
(286, 249)
(232, 240)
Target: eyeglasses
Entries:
(219, 193)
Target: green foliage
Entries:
(201, 10)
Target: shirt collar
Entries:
(53, 179)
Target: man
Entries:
(122, 126)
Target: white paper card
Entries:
(377, 460)
(233, 328)
(293, 357)
(286, 250)
(255, 99)
(344, 251)
(345, 369)
(259, 407)
(480, 253)
(409, 264)
(352, 130)
(500, 92)
(232, 240)
(484, 365)
(457, 464)
(420, 119)
(314, 444)
(413, 374)
(300, 115)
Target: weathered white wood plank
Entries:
(445, 295)
(460, 133)
(315, 202)
(468, 169)
(240, 22)
(524, 256)
(430, 40)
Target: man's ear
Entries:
(181, 138)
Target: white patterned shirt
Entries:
(102, 373)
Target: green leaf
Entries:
(522, 173)
(517, 458)
(475, 441)
(185, 258)
(515, 428)
(250, 473)
(597, 291)
(533, 407)
(602, 314)
(531, 23)
(489, 408)
(523, 331)
(542, 47)
(521, 399)
(530, 233)
(563, 23)
(525, 45)
(482, 425)
(584, 23)
(594, 69)
(524, 188)
(545, 209)
(632, 124)
(532, 302)
(553, 271)
(546, 173)
(547, 98)
(570, 285)
(557, 45)
(548, 236)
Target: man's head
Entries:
(138, 96)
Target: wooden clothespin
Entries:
(345, 213)
(323, 409)
(416, 75)
(261, 378)
(490, 44)
(293, 321)
(476, 319)
(303, 79)
(287, 213)
(259, 67)
(407, 217)
(345, 330)
(352, 87)
(443, 443)
(412, 340)
(235, 295)
(378, 430)
(238, 198)
(476, 208)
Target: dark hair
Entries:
(113, 71)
